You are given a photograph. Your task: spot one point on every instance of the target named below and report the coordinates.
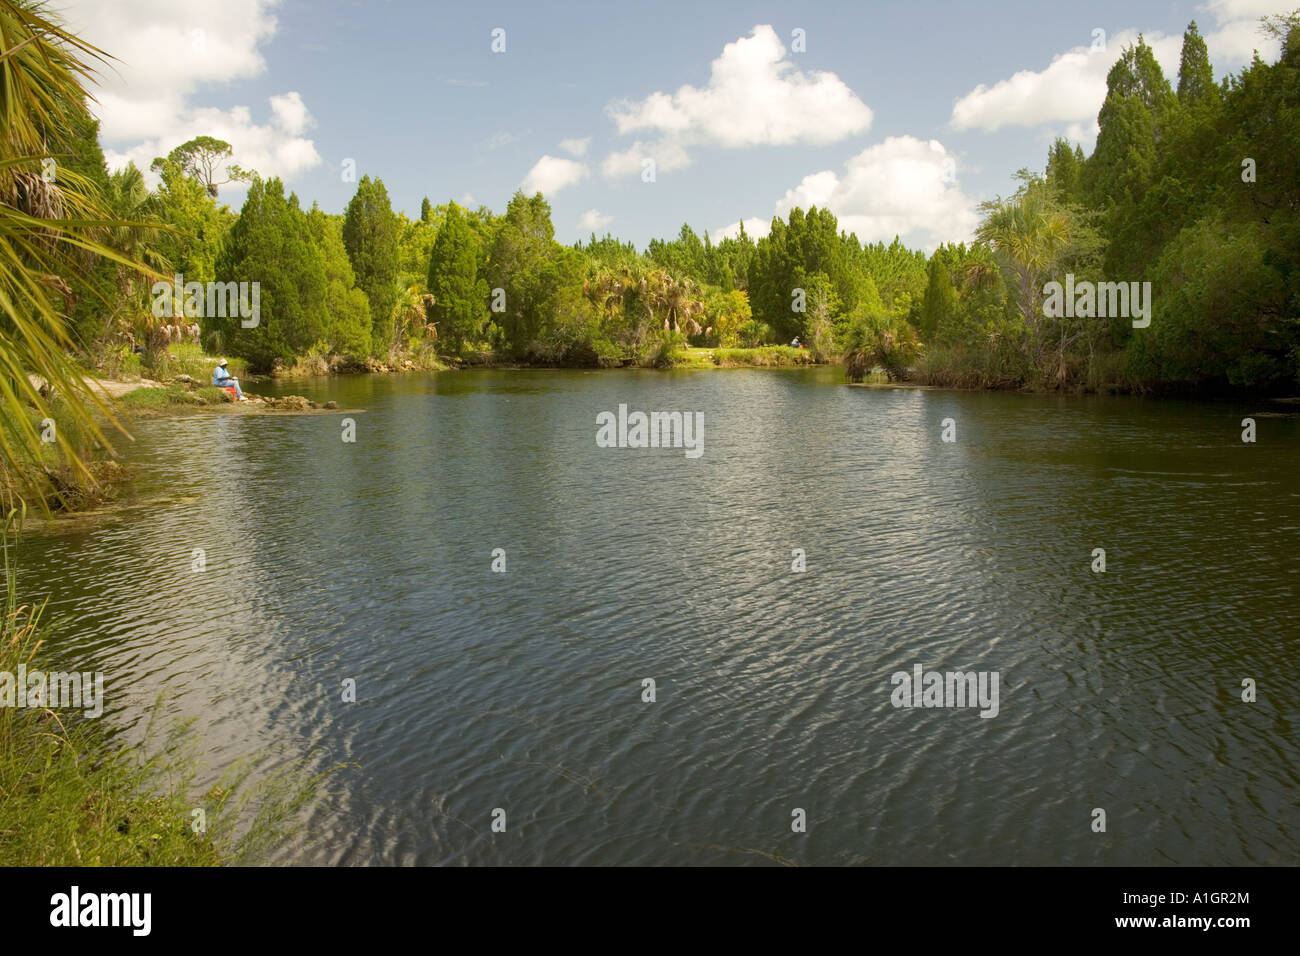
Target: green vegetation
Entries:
(1163, 198)
(767, 357)
(72, 795)
(155, 398)
(50, 232)
(1192, 187)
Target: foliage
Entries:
(372, 234)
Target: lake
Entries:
(524, 691)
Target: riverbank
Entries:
(154, 400)
(685, 357)
(70, 795)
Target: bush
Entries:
(663, 350)
(875, 339)
(768, 355)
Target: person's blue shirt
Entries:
(220, 375)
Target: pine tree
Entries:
(1064, 170)
(939, 307)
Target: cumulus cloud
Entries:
(902, 187)
(755, 97)
(1070, 91)
(593, 221)
(290, 113)
(550, 174)
(1237, 36)
(169, 50)
(575, 147)
(667, 156)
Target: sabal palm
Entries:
(1029, 234)
(411, 309)
(46, 227)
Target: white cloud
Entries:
(902, 187)
(576, 147)
(755, 228)
(1237, 35)
(1071, 89)
(169, 50)
(667, 157)
(290, 113)
(1085, 134)
(593, 221)
(550, 174)
(755, 97)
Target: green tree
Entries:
(940, 306)
(1195, 75)
(1065, 170)
(47, 230)
(203, 159)
(371, 235)
(460, 295)
(199, 225)
(523, 259)
(1036, 238)
(1221, 317)
(271, 244)
(347, 318)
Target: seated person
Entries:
(223, 379)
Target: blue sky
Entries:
(899, 116)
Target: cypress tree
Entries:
(270, 244)
(1195, 75)
(371, 235)
(460, 296)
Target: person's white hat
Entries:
(222, 362)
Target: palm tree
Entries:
(411, 310)
(616, 294)
(46, 227)
(875, 339)
(137, 209)
(1033, 235)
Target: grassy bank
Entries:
(68, 796)
(1007, 368)
(767, 356)
(72, 795)
(173, 396)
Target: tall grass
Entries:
(1006, 367)
(763, 356)
(188, 358)
(956, 367)
(71, 795)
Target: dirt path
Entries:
(113, 388)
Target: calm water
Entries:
(522, 691)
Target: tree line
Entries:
(1191, 187)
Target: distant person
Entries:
(223, 379)
(796, 343)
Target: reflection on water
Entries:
(522, 691)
